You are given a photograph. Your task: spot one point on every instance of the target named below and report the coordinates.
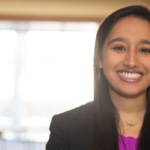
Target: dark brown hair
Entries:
(105, 120)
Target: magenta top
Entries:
(129, 142)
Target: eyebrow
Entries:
(145, 42)
(114, 40)
(123, 40)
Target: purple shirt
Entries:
(130, 142)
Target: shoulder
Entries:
(77, 114)
(61, 124)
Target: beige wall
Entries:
(62, 9)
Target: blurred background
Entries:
(46, 63)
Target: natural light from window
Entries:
(46, 68)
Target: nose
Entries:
(131, 60)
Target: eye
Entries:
(145, 50)
(119, 48)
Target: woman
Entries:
(119, 116)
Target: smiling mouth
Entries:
(130, 75)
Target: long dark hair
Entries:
(106, 119)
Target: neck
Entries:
(128, 105)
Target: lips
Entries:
(130, 75)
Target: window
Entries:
(46, 68)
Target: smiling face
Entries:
(126, 56)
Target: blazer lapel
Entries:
(89, 133)
(81, 133)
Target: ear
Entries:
(100, 63)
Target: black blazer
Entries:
(72, 130)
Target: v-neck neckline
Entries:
(127, 136)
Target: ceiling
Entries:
(67, 10)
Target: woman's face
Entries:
(126, 56)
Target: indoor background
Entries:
(46, 63)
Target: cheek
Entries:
(145, 63)
(147, 66)
(108, 67)
(110, 62)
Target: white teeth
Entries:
(130, 75)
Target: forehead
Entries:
(130, 27)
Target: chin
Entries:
(130, 93)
